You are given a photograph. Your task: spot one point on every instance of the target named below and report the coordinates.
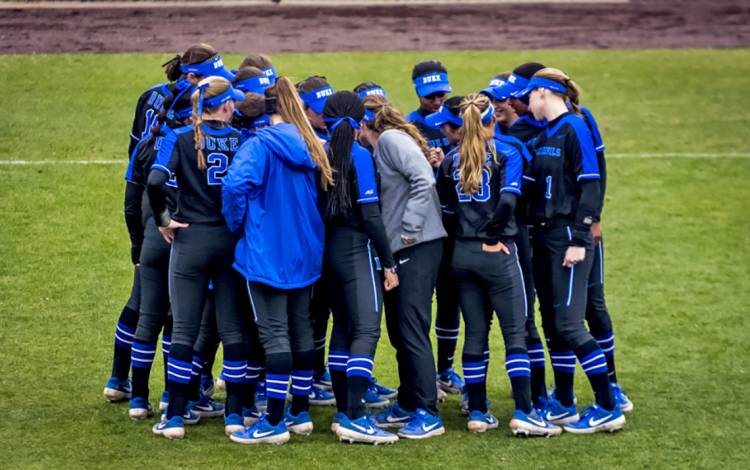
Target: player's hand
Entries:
(574, 255)
(596, 232)
(391, 281)
(168, 231)
(436, 157)
(407, 240)
(495, 248)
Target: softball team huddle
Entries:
(257, 207)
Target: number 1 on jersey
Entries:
(548, 192)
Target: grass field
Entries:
(677, 269)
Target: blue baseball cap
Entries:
(443, 116)
(432, 82)
(515, 83)
(213, 67)
(372, 91)
(253, 84)
(495, 82)
(500, 93)
(538, 82)
(316, 99)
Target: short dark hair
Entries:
(314, 82)
(247, 72)
(366, 86)
(427, 66)
(453, 104)
(260, 61)
(528, 69)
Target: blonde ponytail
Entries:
(473, 146)
(289, 106)
(387, 117)
(212, 86)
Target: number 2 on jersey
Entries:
(483, 195)
(217, 168)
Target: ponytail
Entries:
(207, 88)
(387, 117)
(172, 68)
(291, 110)
(473, 146)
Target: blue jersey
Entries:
(475, 214)
(270, 196)
(434, 137)
(563, 157)
(363, 184)
(147, 110)
(199, 192)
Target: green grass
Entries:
(677, 269)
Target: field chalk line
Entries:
(609, 155)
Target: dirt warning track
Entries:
(291, 28)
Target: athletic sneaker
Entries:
(261, 400)
(262, 432)
(450, 381)
(373, 400)
(140, 408)
(190, 417)
(164, 400)
(465, 404)
(207, 385)
(336, 421)
(558, 414)
(551, 393)
(220, 383)
(531, 424)
(393, 417)
(171, 429)
(541, 405)
(621, 398)
(117, 390)
(321, 397)
(382, 390)
(207, 408)
(422, 426)
(300, 424)
(251, 415)
(363, 430)
(233, 423)
(596, 419)
(481, 422)
(323, 380)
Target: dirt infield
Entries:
(636, 24)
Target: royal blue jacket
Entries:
(270, 196)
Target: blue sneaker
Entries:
(323, 380)
(531, 424)
(481, 422)
(164, 400)
(321, 397)
(373, 400)
(262, 432)
(382, 390)
(552, 393)
(596, 419)
(171, 429)
(207, 408)
(393, 417)
(301, 424)
(422, 426)
(336, 421)
(363, 430)
(556, 413)
(621, 398)
(117, 390)
(251, 415)
(233, 423)
(541, 405)
(261, 399)
(190, 417)
(207, 385)
(450, 382)
(140, 408)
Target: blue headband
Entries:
(183, 86)
(253, 84)
(538, 82)
(209, 68)
(215, 101)
(369, 116)
(495, 82)
(432, 82)
(333, 123)
(270, 72)
(372, 91)
(316, 99)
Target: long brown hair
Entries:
(215, 87)
(574, 91)
(387, 117)
(291, 110)
(473, 146)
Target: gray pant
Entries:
(282, 317)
